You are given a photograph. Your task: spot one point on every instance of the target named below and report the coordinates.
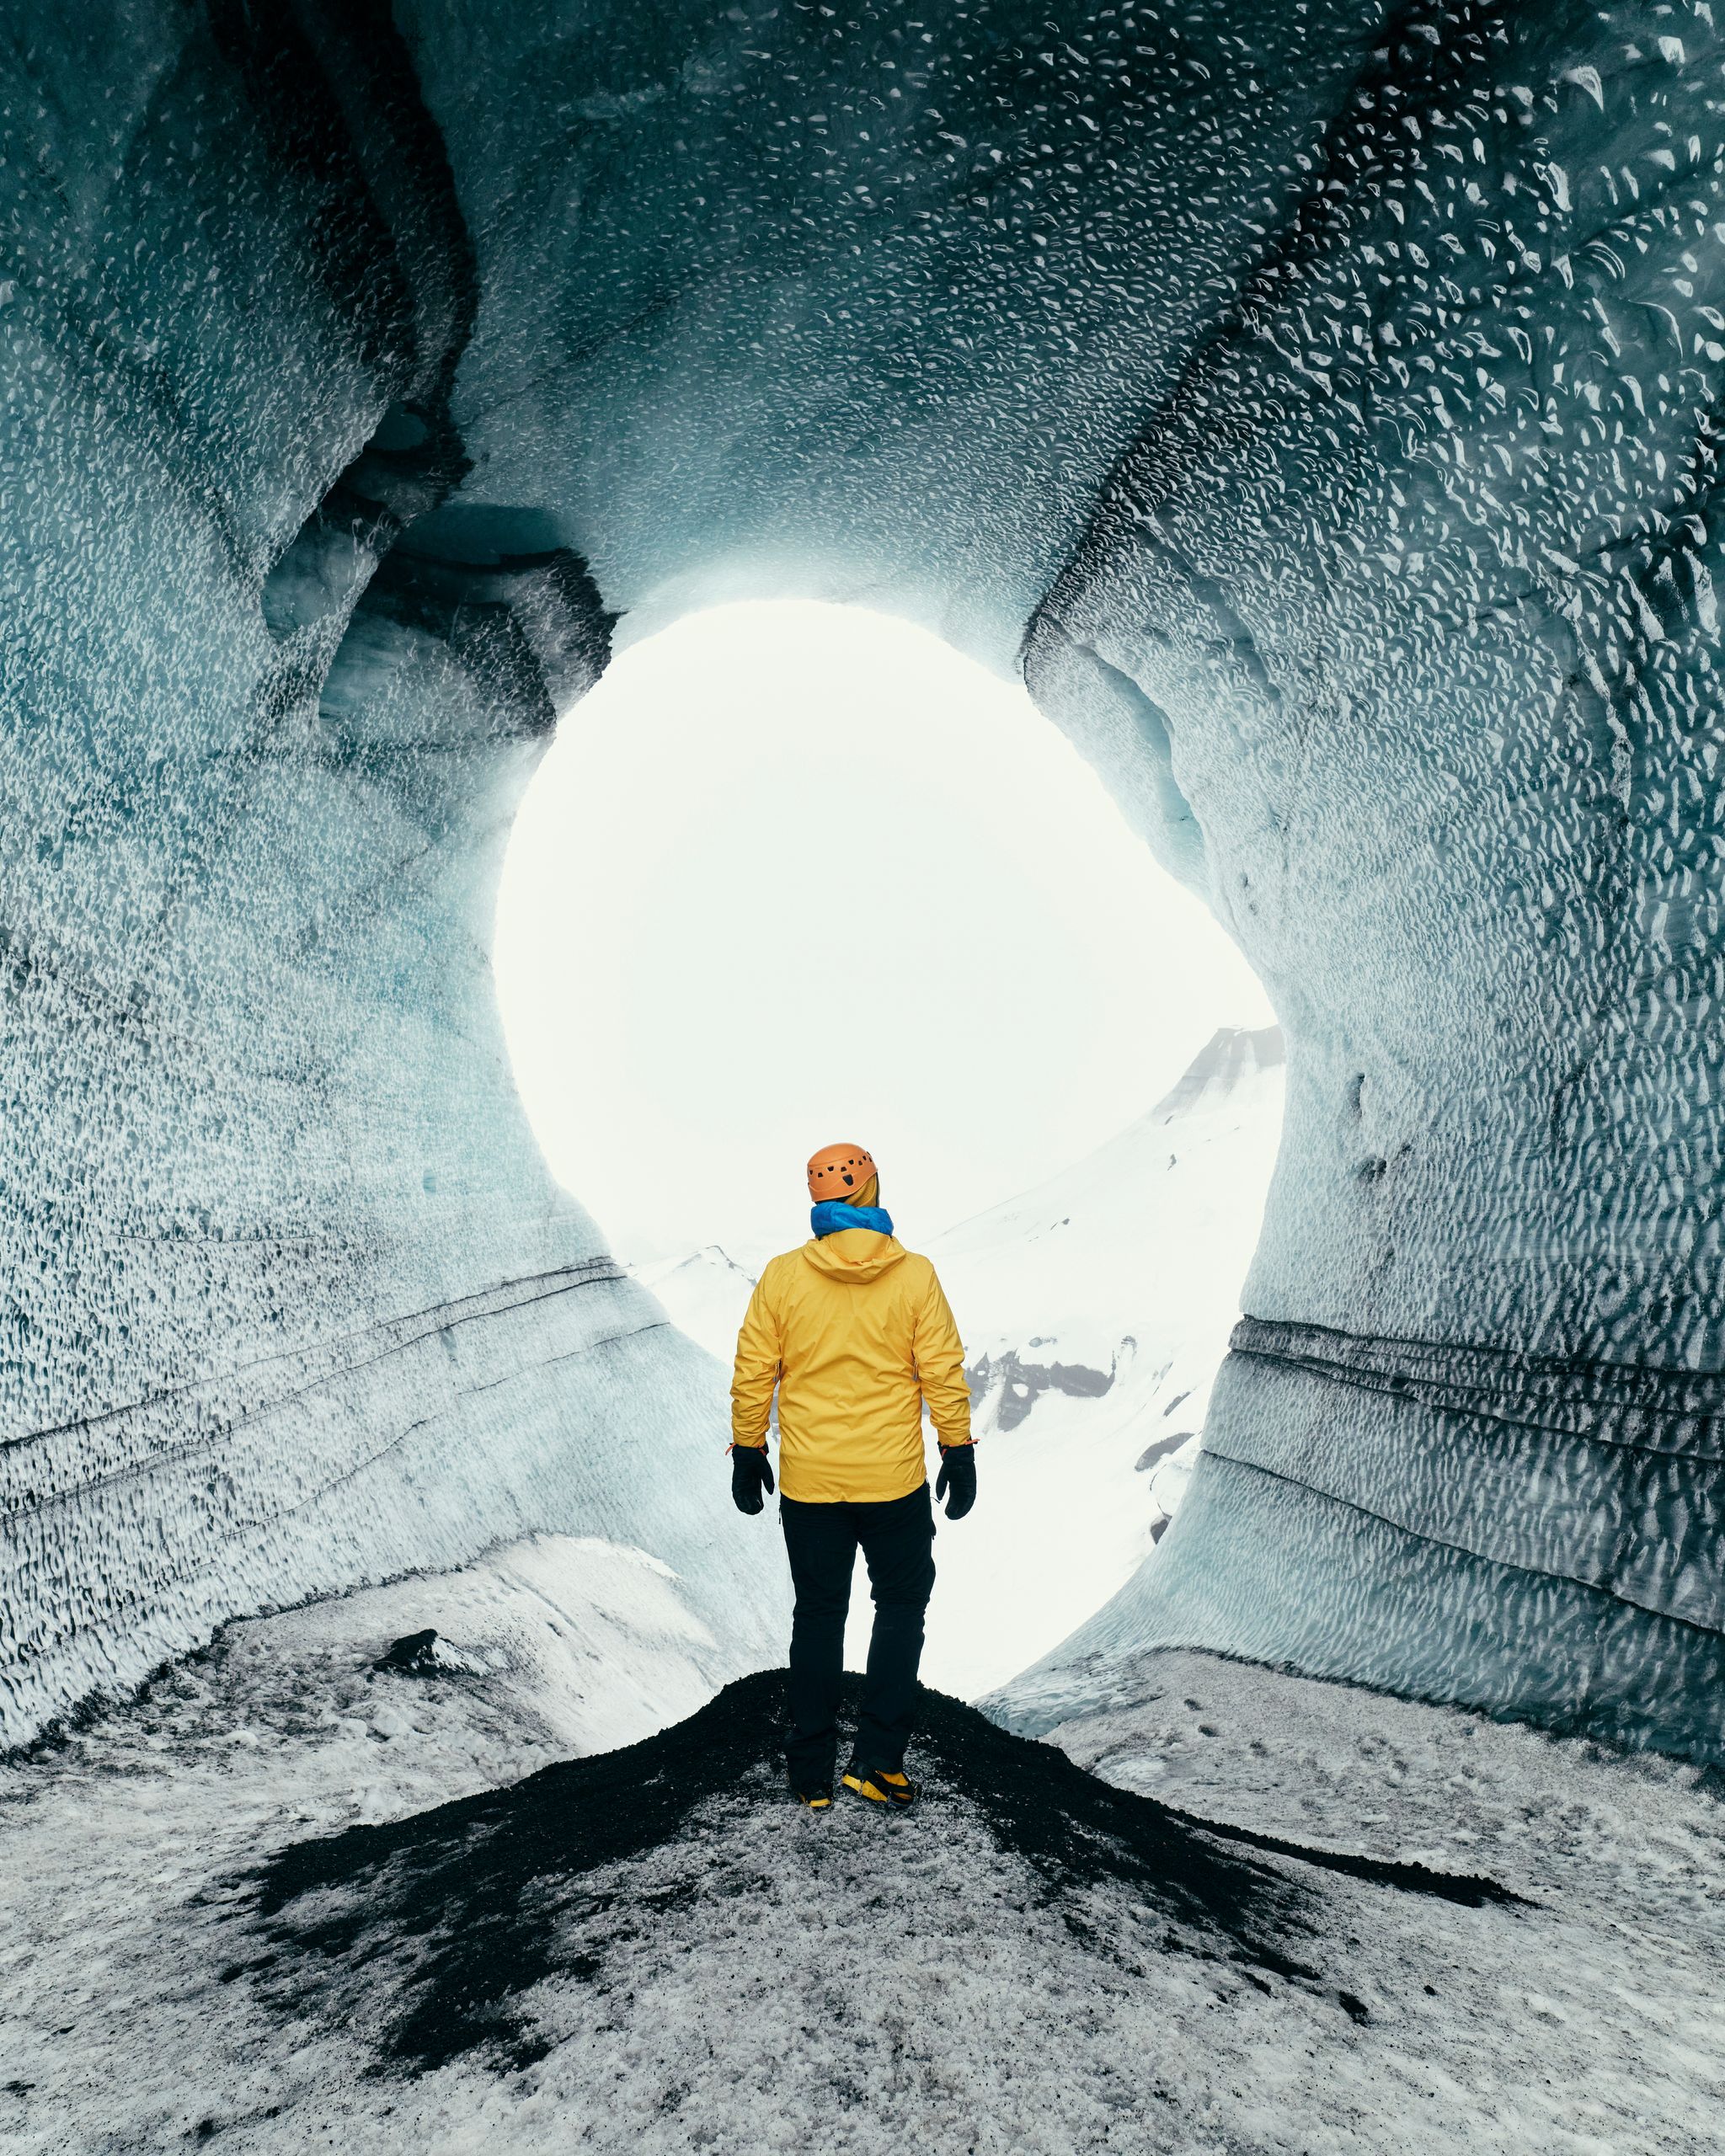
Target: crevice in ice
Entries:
(334, 89)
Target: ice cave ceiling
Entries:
(1322, 402)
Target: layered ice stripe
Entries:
(1625, 1499)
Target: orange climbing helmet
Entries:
(839, 1171)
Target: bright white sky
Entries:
(796, 873)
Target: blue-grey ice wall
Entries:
(1416, 571)
(287, 1299)
(1319, 400)
(361, 364)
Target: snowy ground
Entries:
(207, 1944)
(283, 1728)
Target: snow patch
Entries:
(657, 1950)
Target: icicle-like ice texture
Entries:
(1320, 404)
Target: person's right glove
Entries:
(751, 1472)
(958, 1473)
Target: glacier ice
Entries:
(1319, 400)
(1443, 684)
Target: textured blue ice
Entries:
(1321, 402)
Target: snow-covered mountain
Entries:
(1096, 1311)
(704, 1294)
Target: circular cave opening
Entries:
(794, 872)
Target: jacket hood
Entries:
(854, 1254)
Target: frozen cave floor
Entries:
(288, 1901)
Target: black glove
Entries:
(958, 1472)
(751, 1472)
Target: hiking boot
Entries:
(883, 1787)
(818, 1799)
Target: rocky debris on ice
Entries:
(425, 1654)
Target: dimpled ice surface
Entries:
(1319, 401)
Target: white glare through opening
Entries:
(797, 872)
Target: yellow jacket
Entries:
(855, 1333)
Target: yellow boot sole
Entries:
(890, 1793)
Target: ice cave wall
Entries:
(1332, 390)
(360, 365)
(288, 1299)
(1409, 593)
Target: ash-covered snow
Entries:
(284, 1726)
(287, 1902)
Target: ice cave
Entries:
(1318, 408)
(1319, 401)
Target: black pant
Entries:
(897, 1539)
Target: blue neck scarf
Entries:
(832, 1213)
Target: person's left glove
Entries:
(751, 1473)
(958, 1473)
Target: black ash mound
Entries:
(429, 1937)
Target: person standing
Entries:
(854, 1332)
